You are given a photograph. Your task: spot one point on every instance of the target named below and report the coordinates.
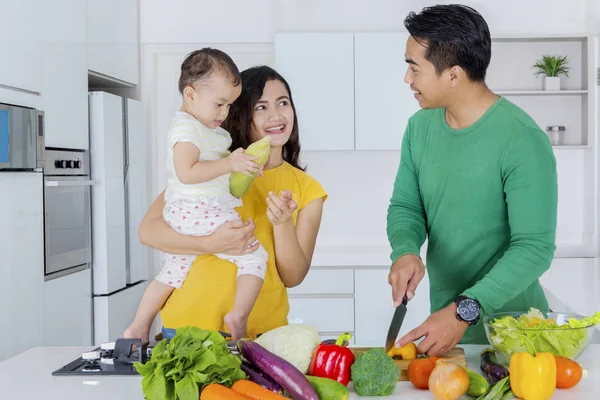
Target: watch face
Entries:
(468, 309)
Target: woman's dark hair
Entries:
(239, 121)
(453, 35)
(201, 64)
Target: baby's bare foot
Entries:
(135, 332)
(236, 322)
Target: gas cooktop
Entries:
(114, 358)
(117, 358)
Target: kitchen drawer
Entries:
(325, 314)
(326, 281)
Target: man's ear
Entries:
(457, 74)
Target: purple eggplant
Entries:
(278, 369)
(262, 379)
(491, 370)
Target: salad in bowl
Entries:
(561, 334)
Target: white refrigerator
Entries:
(118, 157)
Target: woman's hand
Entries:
(280, 208)
(234, 238)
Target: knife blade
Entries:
(396, 324)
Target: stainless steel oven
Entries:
(67, 202)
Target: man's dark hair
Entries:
(201, 64)
(453, 34)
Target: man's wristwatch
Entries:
(467, 309)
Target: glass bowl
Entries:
(509, 336)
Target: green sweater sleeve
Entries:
(406, 216)
(528, 169)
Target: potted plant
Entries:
(552, 67)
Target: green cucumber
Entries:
(328, 389)
(478, 385)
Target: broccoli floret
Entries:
(374, 373)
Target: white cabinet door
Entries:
(325, 281)
(113, 38)
(100, 36)
(126, 40)
(374, 307)
(327, 314)
(319, 68)
(68, 310)
(384, 102)
(20, 45)
(21, 262)
(64, 73)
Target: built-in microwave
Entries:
(21, 138)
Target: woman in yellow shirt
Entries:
(282, 209)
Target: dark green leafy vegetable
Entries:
(192, 360)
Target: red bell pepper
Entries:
(333, 361)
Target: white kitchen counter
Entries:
(29, 376)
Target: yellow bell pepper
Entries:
(533, 377)
(406, 352)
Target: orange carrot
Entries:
(254, 391)
(215, 391)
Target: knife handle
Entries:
(405, 300)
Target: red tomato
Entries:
(568, 372)
(419, 371)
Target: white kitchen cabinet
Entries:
(68, 310)
(319, 68)
(64, 74)
(126, 40)
(374, 307)
(327, 314)
(100, 36)
(112, 30)
(21, 262)
(325, 300)
(325, 281)
(384, 102)
(20, 45)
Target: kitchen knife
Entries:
(396, 324)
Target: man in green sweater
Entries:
(477, 177)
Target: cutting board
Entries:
(456, 355)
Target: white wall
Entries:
(189, 21)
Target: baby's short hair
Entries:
(201, 64)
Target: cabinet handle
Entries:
(69, 183)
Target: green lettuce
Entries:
(182, 368)
(512, 335)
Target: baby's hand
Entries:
(244, 163)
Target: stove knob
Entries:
(77, 164)
(59, 163)
(69, 164)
